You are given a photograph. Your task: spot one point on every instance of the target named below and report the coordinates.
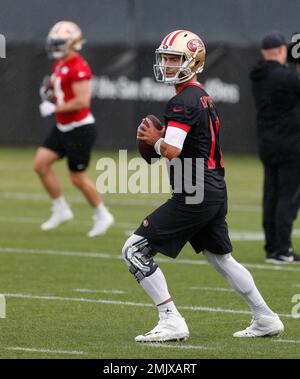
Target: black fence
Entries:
(124, 91)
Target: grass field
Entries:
(69, 296)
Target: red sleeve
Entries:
(81, 71)
(179, 125)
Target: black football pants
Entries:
(281, 202)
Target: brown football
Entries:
(147, 151)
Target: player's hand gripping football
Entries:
(147, 132)
(46, 89)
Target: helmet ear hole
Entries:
(77, 46)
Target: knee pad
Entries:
(139, 257)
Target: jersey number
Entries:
(58, 92)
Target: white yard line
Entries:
(86, 290)
(81, 254)
(129, 303)
(184, 347)
(243, 235)
(244, 208)
(37, 196)
(36, 220)
(33, 350)
(286, 341)
(25, 196)
(58, 253)
(75, 299)
(21, 220)
(235, 235)
(217, 289)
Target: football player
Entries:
(74, 132)
(192, 131)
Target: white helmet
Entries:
(63, 37)
(192, 50)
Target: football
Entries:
(147, 151)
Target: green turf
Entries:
(31, 263)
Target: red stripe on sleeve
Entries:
(179, 125)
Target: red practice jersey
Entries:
(64, 75)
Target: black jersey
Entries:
(192, 110)
(276, 90)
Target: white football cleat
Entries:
(58, 217)
(102, 221)
(264, 326)
(170, 328)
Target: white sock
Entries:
(169, 307)
(60, 202)
(241, 280)
(101, 209)
(156, 287)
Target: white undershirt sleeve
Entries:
(175, 137)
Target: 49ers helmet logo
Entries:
(194, 45)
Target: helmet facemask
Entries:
(57, 48)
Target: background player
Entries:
(74, 133)
(192, 131)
